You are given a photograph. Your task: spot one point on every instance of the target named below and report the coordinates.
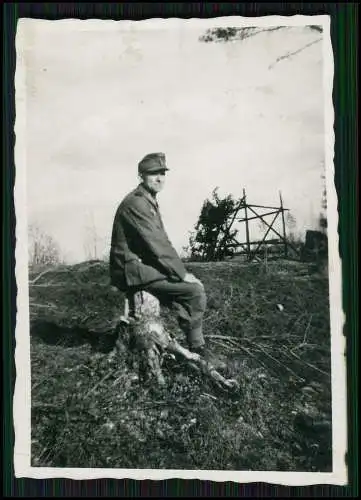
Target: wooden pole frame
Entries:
(247, 225)
(283, 225)
(246, 246)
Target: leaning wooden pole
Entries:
(247, 225)
(284, 226)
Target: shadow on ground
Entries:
(52, 334)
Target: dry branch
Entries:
(47, 306)
(310, 365)
(110, 372)
(307, 330)
(290, 54)
(276, 361)
(222, 337)
(47, 271)
(224, 345)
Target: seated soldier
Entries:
(143, 258)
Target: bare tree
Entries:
(43, 249)
(294, 236)
(92, 240)
(227, 34)
(322, 220)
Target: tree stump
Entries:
(148, 341)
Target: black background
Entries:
(344, 33)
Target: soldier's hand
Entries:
(190, 278)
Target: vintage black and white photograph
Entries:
(179, 281)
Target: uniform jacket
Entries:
(140, 249)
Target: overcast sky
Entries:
(99, 96)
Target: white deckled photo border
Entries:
(22, 395)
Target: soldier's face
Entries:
(154, 182)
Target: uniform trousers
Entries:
(189, 301)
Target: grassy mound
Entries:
(269, 322)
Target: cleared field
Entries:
(270, 322)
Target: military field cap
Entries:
(151, 163)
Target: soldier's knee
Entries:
(199, 295)
(204, 301)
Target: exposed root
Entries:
(149, 341)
